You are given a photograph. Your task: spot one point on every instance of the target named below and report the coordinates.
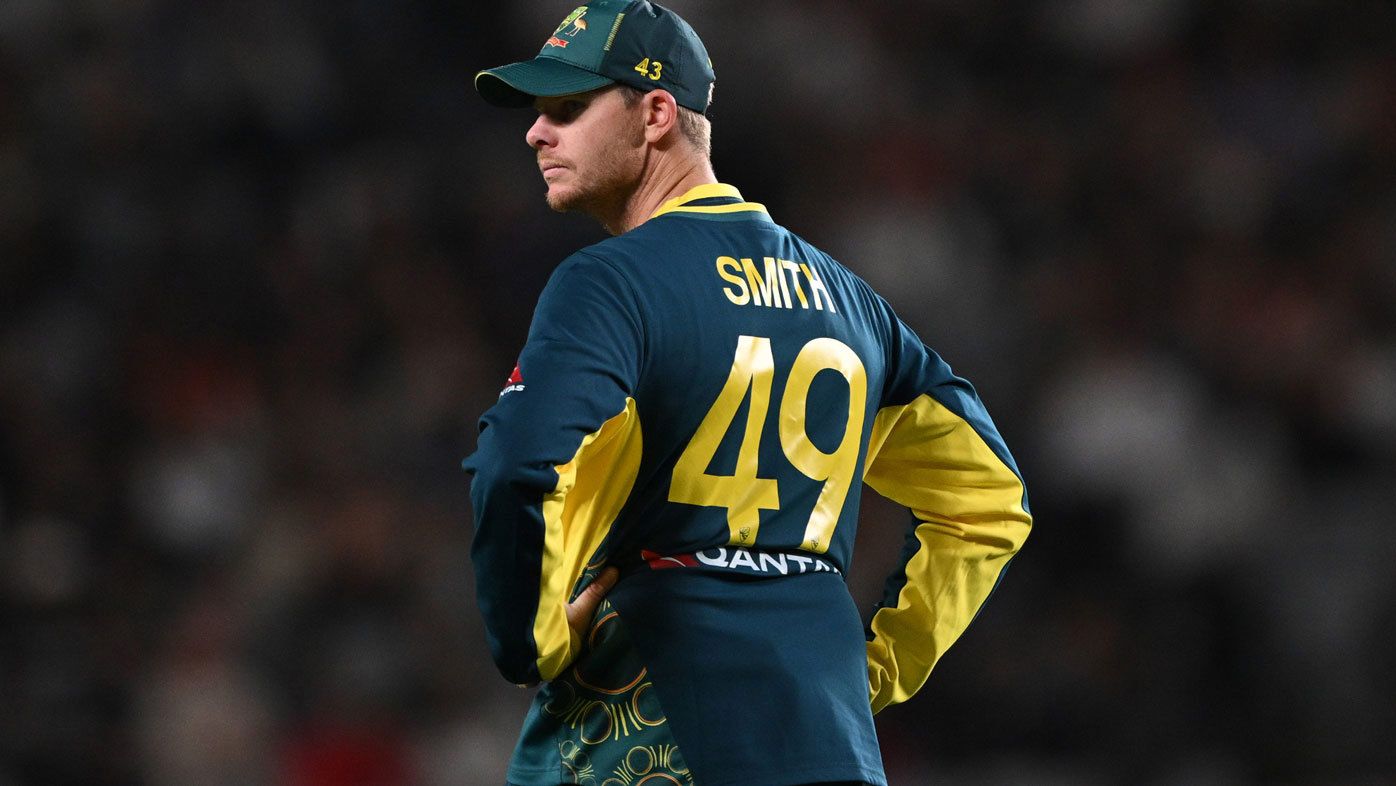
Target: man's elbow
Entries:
(522, 473)
(1012, 529)
(511, 644)
(1019, 529)
(517, 666)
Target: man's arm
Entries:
(935, 450)
(555, 463)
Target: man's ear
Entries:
(661, 114)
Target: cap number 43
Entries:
(650, 68)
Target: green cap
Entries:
(634, 42)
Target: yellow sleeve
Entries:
(554, 466)
(952, 470)
(591, 490)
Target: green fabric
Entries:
(599, 723)
(633, 42)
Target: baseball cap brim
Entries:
(517, 84)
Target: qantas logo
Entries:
(514, 383)
(658, 561)
(742, 560)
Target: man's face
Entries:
(590, 150)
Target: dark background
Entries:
(262, 264)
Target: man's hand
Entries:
(581, 611)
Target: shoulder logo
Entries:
(514, 383)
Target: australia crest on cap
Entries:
(577, 23)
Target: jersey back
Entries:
(698, 403)
(762, 366)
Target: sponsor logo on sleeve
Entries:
(514, 383)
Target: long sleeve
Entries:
(935, 450)
(555, 463)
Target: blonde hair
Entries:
(694, 127)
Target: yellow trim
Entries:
(838, 468)
(704, 191)
(708, 191)
(577, 515)
(972, 520)
(611, 39)
(740, 207)
(743, 493)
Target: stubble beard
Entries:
(606, 191)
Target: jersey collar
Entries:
(717, 198)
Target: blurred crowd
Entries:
(263, 263)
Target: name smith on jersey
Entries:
(771, 287)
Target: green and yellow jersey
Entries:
(699, 403)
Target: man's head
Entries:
(604, 125)
(595, 148)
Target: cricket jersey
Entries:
(699, 403)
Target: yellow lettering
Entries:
(768, 285)
(741, 296)
(773, 266)
(816, 286)
(794, 279)
(744, 493)
(764, 292)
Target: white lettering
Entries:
(762, 561)
(742, 558)
(720, 560)
(778, 564)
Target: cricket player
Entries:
(666, 491)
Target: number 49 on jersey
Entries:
(745, 493)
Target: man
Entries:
(666, 492)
